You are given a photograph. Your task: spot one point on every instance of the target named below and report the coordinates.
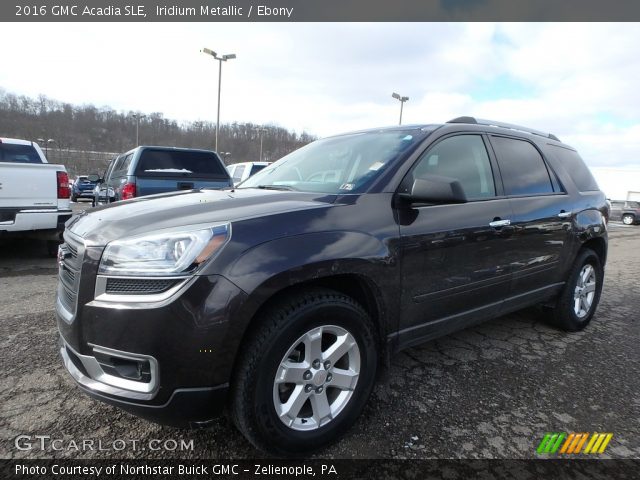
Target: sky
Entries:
(576, 80)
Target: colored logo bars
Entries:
(573, 443)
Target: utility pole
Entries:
(221, 59)
(260, 130)
(402, 100)
(138, 117)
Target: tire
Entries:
(628, 219)
(74, 198)
(317, 319)
(570, 313)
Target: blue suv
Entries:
(82, 188)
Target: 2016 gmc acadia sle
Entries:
(280, 299)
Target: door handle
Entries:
(564, 214)
(499, 223)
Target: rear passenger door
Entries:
(541, 218)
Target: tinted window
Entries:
(464, 158)
(523, 169)
(121, 166)
(109, 169)
(237, 175)
(633, 205)
(180, 163)
(18, 153)
(574, 165)
(256, 168)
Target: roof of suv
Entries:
(468, 121)
(162, 147)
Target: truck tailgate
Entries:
(156, 184)
(28, 185)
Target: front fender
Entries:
(295, 259)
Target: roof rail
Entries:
(492, 123)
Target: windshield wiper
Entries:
(275, 187)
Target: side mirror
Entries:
(94, 178)
(435, 189)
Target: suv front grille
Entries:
(134, 286)
(69, 273)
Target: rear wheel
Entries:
(74, 198)
(306, 373)
(577, 303)
(628, 219)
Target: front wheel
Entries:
(628, 219)
(577, 303)
(306, 373)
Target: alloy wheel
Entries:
(316, 378)
(584, 291)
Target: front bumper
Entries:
(182, 349)
(186, 407)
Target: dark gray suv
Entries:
(280, 300)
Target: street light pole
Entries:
(46, 145)
(221, 59)
(260, 130)
(402, 100)
(137, 116)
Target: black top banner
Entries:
(318, 10)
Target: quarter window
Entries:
(523, 169)
(237, 175)
(463, 157)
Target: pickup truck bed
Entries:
(34, 195)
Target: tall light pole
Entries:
(221, 59)
(46, 145)
(402, 100)
(260, 130)
(138, 117)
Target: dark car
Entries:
(151, 170)
(82, 188)
(625, 210)
(281, 299)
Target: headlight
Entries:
(164, 254)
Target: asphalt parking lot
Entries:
(487, 392)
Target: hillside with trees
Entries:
(103, 129)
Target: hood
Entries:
(101, 225)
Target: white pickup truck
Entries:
(34, 195)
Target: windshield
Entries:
(344, 164)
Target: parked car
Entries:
(103, 195)
(34, 195)
(82, 188)
(625, 210)
(151, 170)
(241, 171)
(282, 298)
